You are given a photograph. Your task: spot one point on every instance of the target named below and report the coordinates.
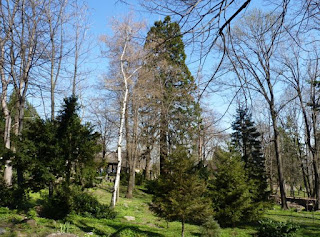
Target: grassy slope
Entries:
(145, 223)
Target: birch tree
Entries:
(124, 55)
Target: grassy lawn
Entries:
(145, 223)
(308, 221)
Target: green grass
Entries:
(145, 223)
(309, 222)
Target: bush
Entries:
(67, 200)
(58, 206)
(271, 228)
(87, 205)
(210, 228)
(151, 186)
(12, 197)
(124, 177)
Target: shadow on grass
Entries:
(309, 230)
(87, 228)
(135, 230)
(195, 234)
(295, 216)
(118, 228)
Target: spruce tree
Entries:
(178, 110)
(229, 189)
(245, 139)
(179, 195)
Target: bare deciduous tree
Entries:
(125, 57)
(252, 47)
(300, 73)
(23, 45)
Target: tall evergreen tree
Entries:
(245, 139)
(177, 107)
(63, 149)
(78, 142)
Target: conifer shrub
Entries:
(210, 228)
(58, 206)
(179, 194)
(230, 191)
(87, 205)
(67, 200)
(151, 186)
(271, 228)
(12, 197)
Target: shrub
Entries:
(271, 228)
(58, 206)
(66, 200)
(179, 193)
(12, 197)
(210, 228)
(151, 186)
(124, 177)
(87, 205)
(139, 178)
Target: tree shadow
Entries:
(135, 230)
(87, 228)
(309, 229)
(119, 228)
(195, 234)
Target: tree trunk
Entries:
(279, 161)
(7, 141)
(182, 228)
(116, 192)
(313, 148)
(132, 176)
(305, 176)
(148, 163)
(50, 189)
(163, 141)
(133, 155)
(316, 183)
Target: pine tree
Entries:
(178, 110)
(245, 139)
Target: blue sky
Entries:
(102, 10)
(100, 13)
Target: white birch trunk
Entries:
(129, 66)
(115, 193)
